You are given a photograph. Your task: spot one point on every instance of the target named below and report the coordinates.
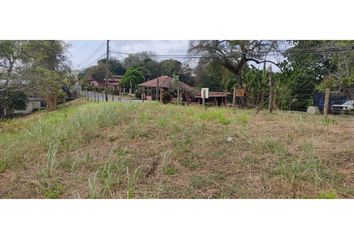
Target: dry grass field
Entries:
(150, 150)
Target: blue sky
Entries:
(83, 53)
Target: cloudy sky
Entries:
(86, 52)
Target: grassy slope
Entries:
(112, 150)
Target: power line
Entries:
(94, 61)
(290, 50)
(88, 42)
(94, 53)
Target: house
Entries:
(187, 93)
(33, 104)
(112, 82)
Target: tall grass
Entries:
(94, 189)
(51, 159)
(132, 181)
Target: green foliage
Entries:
(132, 78)
(214, 76)
(302, 72)
(166, 97)
(171, 67)
(115, 66)
(328, 121)
(3, 165)
(327, 195)
(233, 54)
(199, 181)
(94, 189)
(167, 166)
(136, 60)
(132, 181)
(51, 159)
(52, 189)
(13, 99)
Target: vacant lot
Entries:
(149, 150)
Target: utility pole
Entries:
(107, 71)
(271, 91)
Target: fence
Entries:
(101, 97)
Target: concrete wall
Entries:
(30, 107)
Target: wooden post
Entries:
(160, 95)
(271, 91)
(157, 89)
(326, 102)
(143, 94)
(177, 95)
(107, 72)
(234, 97)
(203, 97)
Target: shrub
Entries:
(166, 97)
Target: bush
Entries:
(138, 93)
(166, 97)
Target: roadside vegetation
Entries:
(150, 150)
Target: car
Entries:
(346, 107)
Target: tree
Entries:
(132, 78)
(214, 75)
(11, 100)
(47, 84)
(344, 64)
(171, 67)
(150, 69)
(115, 66)
(234, 54)
(98, 72)
(49, 54)
(136, 59)
(49, 73)
(13, 54)
(303, 71)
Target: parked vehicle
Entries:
(335, 98)
(346, 107)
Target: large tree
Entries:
(49, 73)
(136, 59)
(235, 54)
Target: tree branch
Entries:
(259, 62)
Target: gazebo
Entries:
(153, 89)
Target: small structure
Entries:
(112, 82)
(33, 104)
(157, 86)
(217, 98)
(153, 88)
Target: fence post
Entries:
(271, 91)
(234, 97)
(326, 102)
